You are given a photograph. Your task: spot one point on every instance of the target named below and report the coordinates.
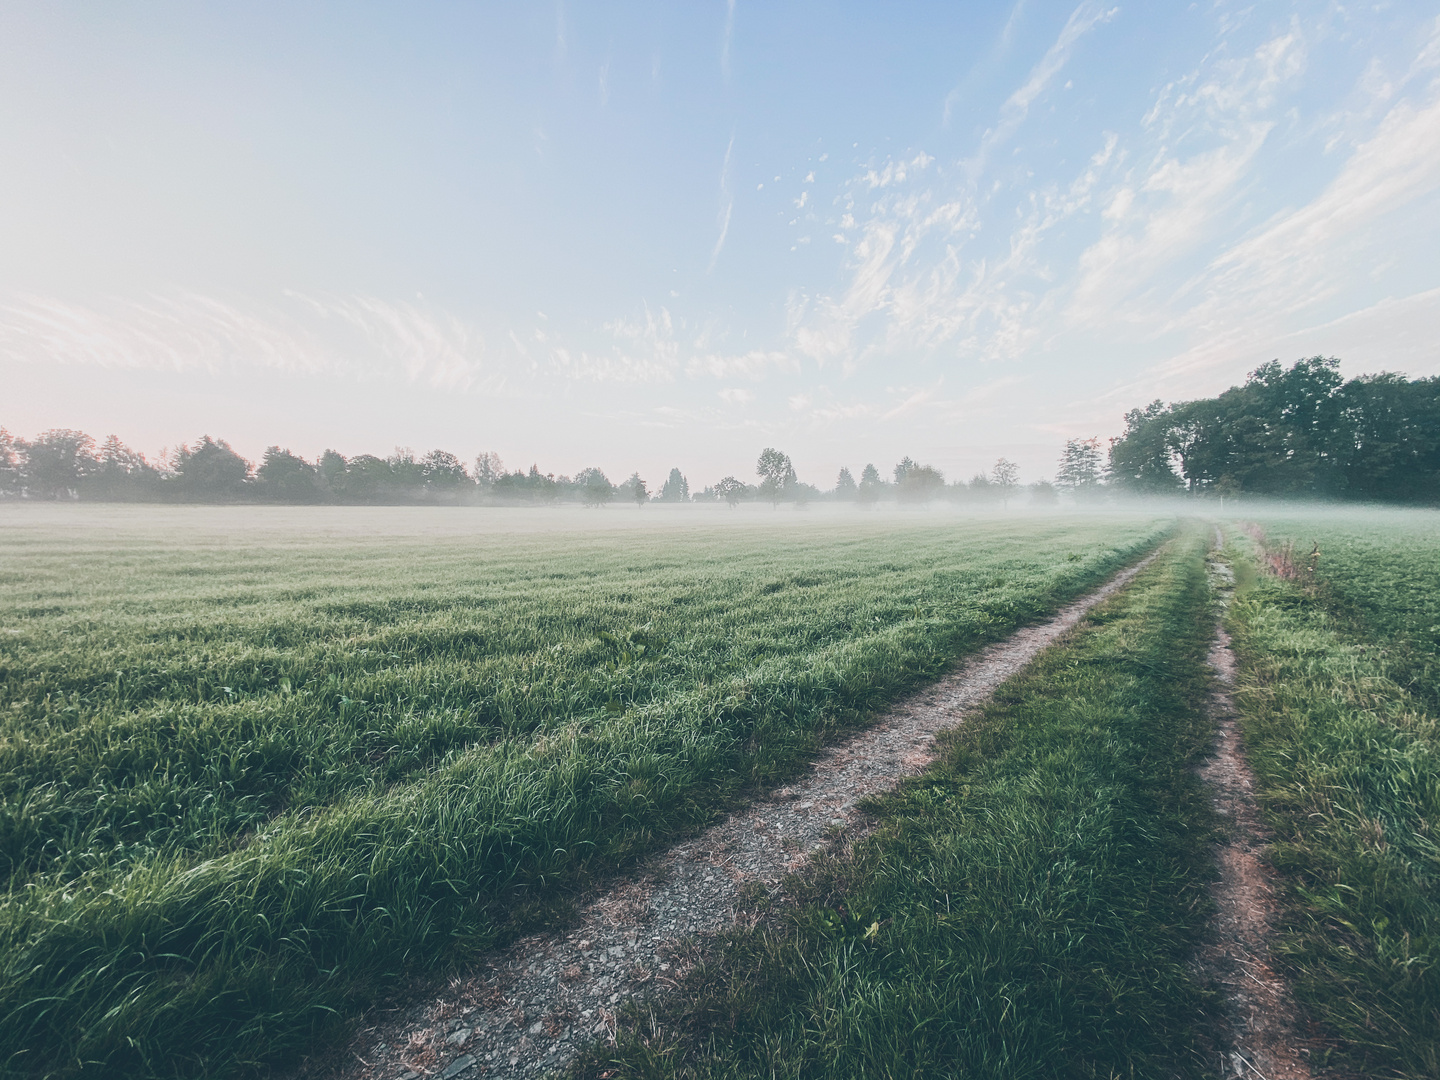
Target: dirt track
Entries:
(530, 1007)
(1261, 1031)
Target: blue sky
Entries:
(644, 235)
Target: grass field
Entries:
(1027, 908)
(255, 762)
(1342, 717)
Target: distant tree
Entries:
(286, 477)
(9, 465)
(981, 489)
(330, 473)
(871, 485)
(1079, 471)
(1393, 449)
(1006, 478)
(776, 472)
(1042, 493)
(533, 486)
(636, 490)
(595, 487)
(407, 474)
(443, 472)
(368, 479)
(122, 473)
(731, 490)
(488, 468)
(209, 471)
(56, 462)
(676, 488)
(1142, 459)
(919, 483)
(845, 485)
(901, 470)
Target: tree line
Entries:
(1297, 432)
(64, 464)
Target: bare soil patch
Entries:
(529, 1008)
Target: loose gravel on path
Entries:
(529, 1008)
(1260, 1036)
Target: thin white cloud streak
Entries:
(1017, 107)
(182, 331)
(997, 52)
(1292, 259)
(727, 204)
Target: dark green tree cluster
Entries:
(66, 464)
(1298, 432)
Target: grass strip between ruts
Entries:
(1347, 766)
(1026, 908)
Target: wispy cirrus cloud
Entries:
(727, 204)
(179, 331)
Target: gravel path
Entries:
(527, 1009)
(1260, 1026)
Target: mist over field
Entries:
(727, 539)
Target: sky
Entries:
(645, 235)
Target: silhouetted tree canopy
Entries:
(1298, 432)
(595, 487)
(286, 478)
(210, 471)
(1301, 431)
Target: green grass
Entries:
(1027, 908)
(1380, 574)
(254, 763)
(1346, 750)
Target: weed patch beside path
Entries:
(1027, 907)
(1348, 766)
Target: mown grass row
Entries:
(1027, 908)
(1348, 766)
(203, 934)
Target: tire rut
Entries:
(1260, 1029)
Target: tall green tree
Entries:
(636, 490)
(871, 486)
(1079, 472)
(286, 477)
(209, 471)
(55, 463)
(595, 487)
(443, 473)
(676, 488)
(1142, 460)
(776, 472)
(919, 483)
(9, 464)
(731, 490)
